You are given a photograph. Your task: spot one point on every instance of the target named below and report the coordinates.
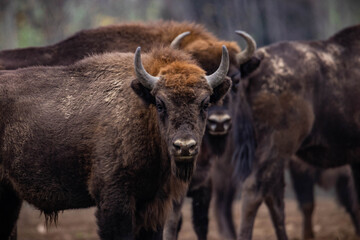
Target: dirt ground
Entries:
(330, 220)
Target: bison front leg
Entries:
(10, 205)
(114, 224)
(303, 183)
(200, 205)
(275, 202)
(150, 234)
(224, 188)
(115, 214)
(173, 222)
(266, 183)
(251, 201)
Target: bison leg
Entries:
(224, 192)
(150, 235)
(356, 175)
(200, 205)
(114, 216)
(10, 205)
(346, 194)
(275, 202)
(114, 225)
(303, 184)
(173, 223)
(251, 201)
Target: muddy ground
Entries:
(330, 220)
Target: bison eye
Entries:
(160, 106)
(205, 105)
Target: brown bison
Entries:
(304, 100)
(103, 132)
(304, 177)
(201, 44)
(191, 38)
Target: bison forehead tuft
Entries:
(183, 79)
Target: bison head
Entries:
(181, 94)
(234, 113)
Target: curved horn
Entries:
(176, 42)
(144, 77)
(217, 77)
(245, 55)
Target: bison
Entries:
(228, 134)
(191, 38)
(200, 43)
(303, 99)
(104, 132)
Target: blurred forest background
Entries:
(41, 22)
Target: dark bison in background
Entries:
(305, 176)
(200, 43)
(191, 38)
(101, 132)
(305, 99)
(229, 133)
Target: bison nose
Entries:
(185, 147)
(219, 123)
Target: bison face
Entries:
(181, 94)
(219, 121)
(182, 113)
(182, 122)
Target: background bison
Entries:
(301, 100)
(93, 133)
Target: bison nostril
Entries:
(177, 145)
(227, 121)
(193, 149)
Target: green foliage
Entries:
(29, 36)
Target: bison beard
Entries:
(183, 170)
(217, 143)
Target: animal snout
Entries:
(185, 147)
(219, 124)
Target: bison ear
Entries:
(250, 66)
(220, 90)
(143, 92)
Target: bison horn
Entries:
(245, 55)
(176, 42)
(144, 77)
(217, 77)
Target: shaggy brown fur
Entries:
(205, 48)
(126, 37)
(303, 99)
(90, 134)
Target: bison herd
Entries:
(92, 121)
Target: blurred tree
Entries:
(38, 22)
(8, 36)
